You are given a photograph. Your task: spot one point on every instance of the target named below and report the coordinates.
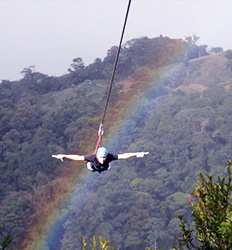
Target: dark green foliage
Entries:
(5, 242)
(211, 212)
(5, 239)
(28, 72)
(216, 50)
(228, 55)
(95, 70)
(194, 51)
(77, 65)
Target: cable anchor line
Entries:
(100, 130)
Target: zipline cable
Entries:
(115, 64)
(100, 130)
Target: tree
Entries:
(216, 50)
(78, 71)
(101, 244)
(28, 72)
(212, 214)
(95, 70)
(228, 55)
(97, 243)
(77, 65)
(5, 240)
(192, 39)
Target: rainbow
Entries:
(139, 96)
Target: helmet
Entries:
(102, 152)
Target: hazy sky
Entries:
(50, 33)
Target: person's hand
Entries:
(59, 157)
(141, 154)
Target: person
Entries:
(99, 162)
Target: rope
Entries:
(115, 64)
(100, 130)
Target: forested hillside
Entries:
(184, 122)
(188, 131)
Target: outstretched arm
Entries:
(129, 155)
(69, 157)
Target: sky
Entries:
(49, 34)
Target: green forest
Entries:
(184, 121)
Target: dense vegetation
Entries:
(212, 213)
(186, 130)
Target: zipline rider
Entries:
(99, 162)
